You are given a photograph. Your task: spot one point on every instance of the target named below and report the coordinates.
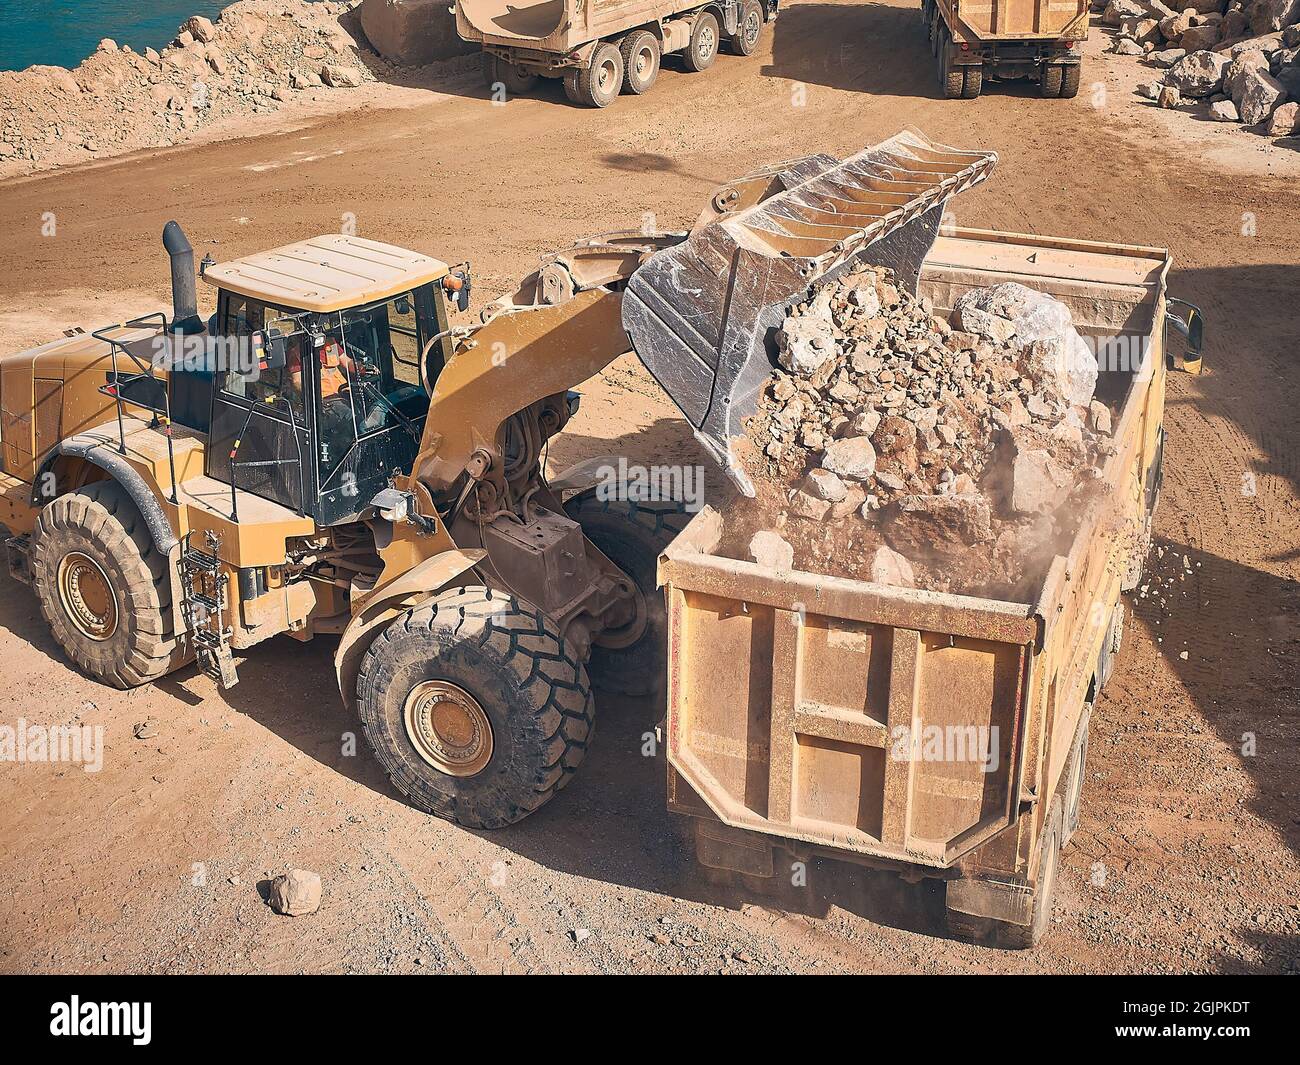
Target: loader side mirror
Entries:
(274, 353)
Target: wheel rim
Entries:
(448, 728)
(707, 43)
(752, 26)
(629, 633)
(606, 76)
(87, 596)
(645, 63)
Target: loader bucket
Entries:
(702, 315)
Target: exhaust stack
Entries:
(185, 303)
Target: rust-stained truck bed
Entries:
(788, 693)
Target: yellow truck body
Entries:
(795, 700)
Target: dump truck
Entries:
(1004, 40)
(934, 735)
(601, 50)
(327, 455)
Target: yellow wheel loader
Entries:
(327, 455)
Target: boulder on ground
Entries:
(296, 893)
(201, 29)
(338, 77)
(1260, 95)
(1198, 74)
(1267, 15)
(1118, 10)
(1285, 121)
(1234, 77)
(1199, 38)
(1224, 111)
(413, 32)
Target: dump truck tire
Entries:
(1076, 769)
(631, 535)
(599, 83)
(972, 82)
(749, 29)
(1070, 76)
(1050, 85)
(989, 931)
(641, 55)
(476, 706)
(951, 79)
(499, 72)
(703, 48)
(103, 586)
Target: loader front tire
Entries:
(641, 55)
(103, 586)
(703, 47)
(476, 707)
(599, 83)
(631, 534)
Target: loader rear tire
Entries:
(641, 54)
(103, 586)
(1070, 80)
(988, 931)
(703, 49)
(749, 29)
(632, 535)
(1050, 85)
(476, 706)
(599, 83)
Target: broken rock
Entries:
(771, 551)
(922, 524)
(889, 567)
(1039, 484)
(853, 458)
(296, 893)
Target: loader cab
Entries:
(326, 351)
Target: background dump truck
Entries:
(1038, 39)
(603, 48)
(793, 698)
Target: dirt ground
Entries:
(1186, 859)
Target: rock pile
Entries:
(1238, 60)
(899, 445)
(256, 57)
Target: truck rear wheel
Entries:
(972, 81)
(599, 83)
(749, 29)
(1008, 935)
(631, 535)
(1050, 83)
(1075, 771)
(476, 706)
(499, 72)
(103, 586)
(641, 53)
(951, 79)
(1070, 75)
(703, 49)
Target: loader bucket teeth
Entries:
(702, 314)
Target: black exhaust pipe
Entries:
(185, 302)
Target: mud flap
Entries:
(997, 900)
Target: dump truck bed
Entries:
(788, 693)
(558, 26)
(1016, 20)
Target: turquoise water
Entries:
(64, 32)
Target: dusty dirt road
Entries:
(1187, 856)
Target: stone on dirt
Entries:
(296, 893)
(1198, 73)
(1261, 93)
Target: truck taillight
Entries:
(965, 47)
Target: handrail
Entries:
(114, 388)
